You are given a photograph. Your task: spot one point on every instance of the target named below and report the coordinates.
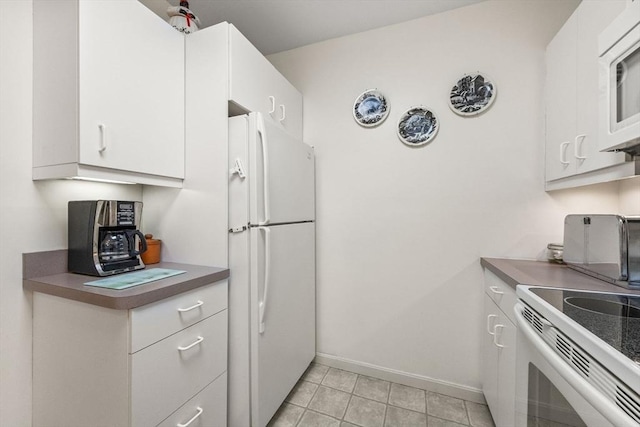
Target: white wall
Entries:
(630, 196)
(33, 215)
(401, 230)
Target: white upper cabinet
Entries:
(256, 85)
(560, 97)
(571, 93)
(108, 93)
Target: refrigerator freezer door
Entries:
(282, 313)
(282, 175)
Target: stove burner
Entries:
(599, 306)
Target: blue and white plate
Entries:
(417, 126)
(370, 108)
(472, 94)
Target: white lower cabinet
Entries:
(104, 367)
(499, 352)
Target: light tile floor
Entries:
(329, 397)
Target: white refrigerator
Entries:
(272, 261)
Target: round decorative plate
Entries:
(370, 108)
(472, 94)
(417, 126)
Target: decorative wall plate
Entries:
(472, 94)
(370, 108)
(417, 126)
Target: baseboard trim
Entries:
(412, 380)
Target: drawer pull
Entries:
(196, 305)
(496, 290)
(196, 342)
(200, 411)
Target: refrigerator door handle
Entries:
(262, 305)
(265, 170)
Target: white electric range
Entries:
(578, 358)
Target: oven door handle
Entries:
(605, 407)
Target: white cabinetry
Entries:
(160, 364)
(499, 351)
(108, 93)
(255, 85)
(571, 97)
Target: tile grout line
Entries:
(345, 409)
(466, 411)
(306, 408)
(386, 406)
(387, 401)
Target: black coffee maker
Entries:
(104, 237)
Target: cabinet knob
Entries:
(193, 307)
(272, 99)
(563, 153)
(195, 417)
(102, 142)
(496, 290)
(193, 344)
(577, 147)
(489, 317)
(496, 335)
(284, 113)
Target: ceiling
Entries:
(278, 25)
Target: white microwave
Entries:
(619, 103)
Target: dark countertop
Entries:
(523, 272)
(71, 286)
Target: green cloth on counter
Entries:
(127, 280)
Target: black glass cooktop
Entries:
(614, 318)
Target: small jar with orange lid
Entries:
(152, 254)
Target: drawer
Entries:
(207, 409)
(167, 374)
(153, 322)
(502, 294)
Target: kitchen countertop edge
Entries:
(546, 274)
(71, 286)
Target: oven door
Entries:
(549, 391)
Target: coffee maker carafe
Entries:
(104, 237)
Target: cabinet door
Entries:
(560, 101)
(499, 364)
(256, 85)
(593, 17)
(131, 89)
(490, 357)
(505, 342)
(288, 105)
